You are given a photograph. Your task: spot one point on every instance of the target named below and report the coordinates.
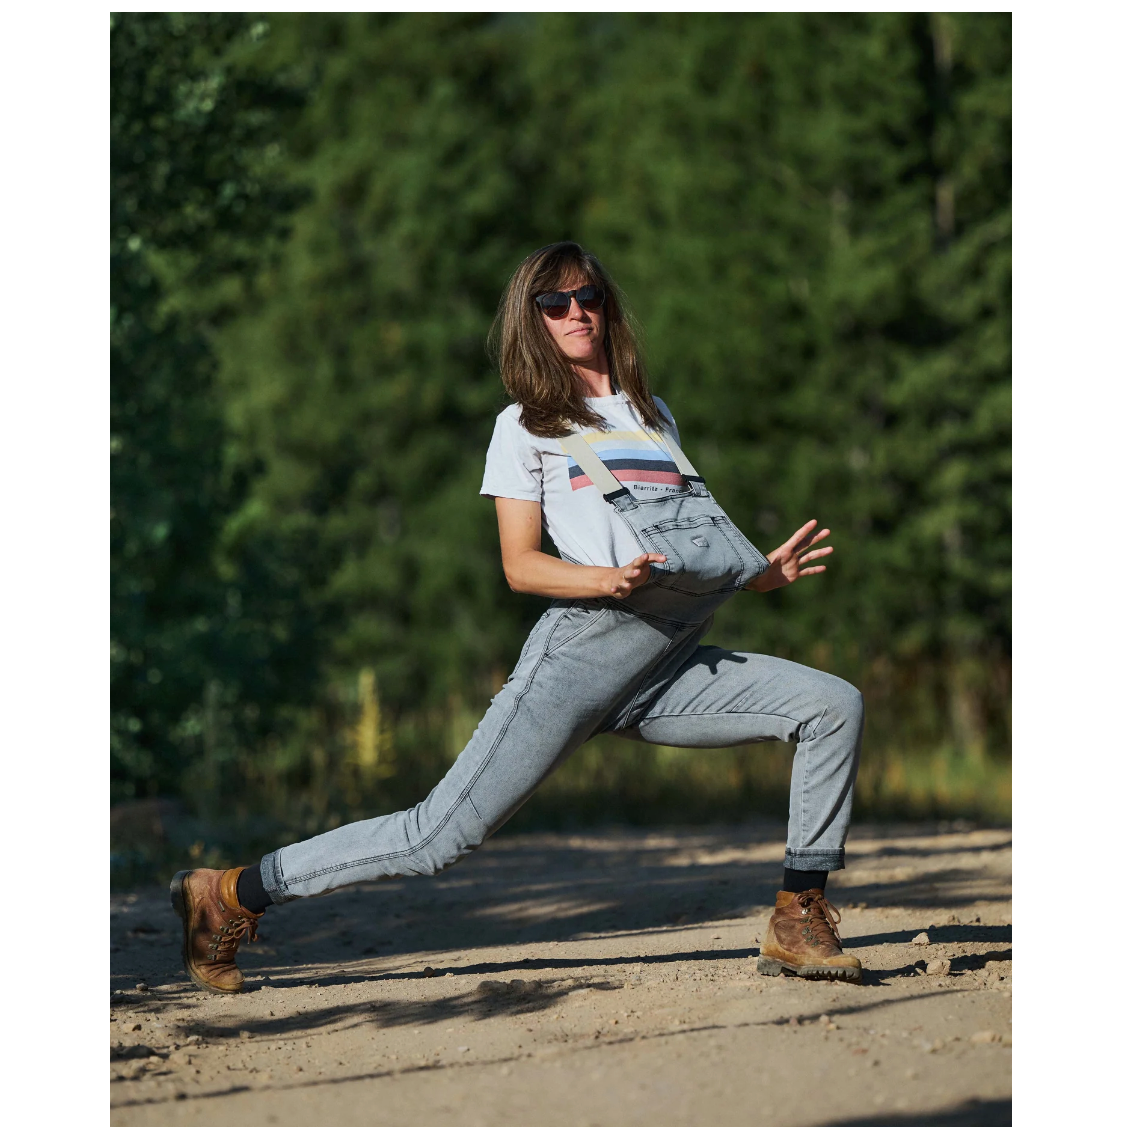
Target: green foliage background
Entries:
(313, 219)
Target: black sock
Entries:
(799, 880)
(250, 891)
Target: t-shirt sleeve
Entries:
(667, 416)
(513, 469)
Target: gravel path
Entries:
(596, 978)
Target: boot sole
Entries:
(768, 966)
(176, 898)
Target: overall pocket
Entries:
(574, 620)
(705, 554)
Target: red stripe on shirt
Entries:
(633, 475)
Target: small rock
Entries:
(136, 1026)
(449, 975)
(794, 1022)
(122, 1052)
(824, 1018)
(921, 939)
(142, 987)
(985, 1037)
(861, 905)
(430, 972)
(938, 967)
(463, 1049)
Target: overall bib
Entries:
(634, 666)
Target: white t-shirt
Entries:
(583, 526)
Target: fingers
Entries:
(824, 550)
(630, 575)
(791, 543)
(812, 540)
(812, 570)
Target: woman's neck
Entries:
(595, 375)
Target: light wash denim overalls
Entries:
(633, 666)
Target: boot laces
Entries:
(822, 915)
(235, 930)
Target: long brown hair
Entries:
(535, 372)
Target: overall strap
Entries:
(686, 468)
(575, 445)
(591, 464)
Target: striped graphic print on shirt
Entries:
(631, 456)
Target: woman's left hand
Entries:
(787, 562)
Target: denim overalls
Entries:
(633, 666)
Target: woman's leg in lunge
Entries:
(556, 698)
(719, 698)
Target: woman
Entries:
(646, 558)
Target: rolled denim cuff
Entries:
(807, 860)
(270, 869)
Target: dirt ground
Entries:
(599, 978)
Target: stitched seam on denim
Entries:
(714, 714)
(529, 640)
(807, 767)
(665, 525)
(816, 726)
(686, 493)
(651, 618)
(830, 859)
(277, 883)
(733, 545)
(442, 824)
(690, 524)
(627, 715)
(597, 615)
(731, 586)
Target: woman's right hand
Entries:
(529, 571)
(623, 579)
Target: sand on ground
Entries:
(605, 977)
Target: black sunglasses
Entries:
(556, 304)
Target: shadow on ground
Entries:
(524, 892)
(971, 1114)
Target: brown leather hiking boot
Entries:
(214, 926)
(802, 938)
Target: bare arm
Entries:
(529, 571)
